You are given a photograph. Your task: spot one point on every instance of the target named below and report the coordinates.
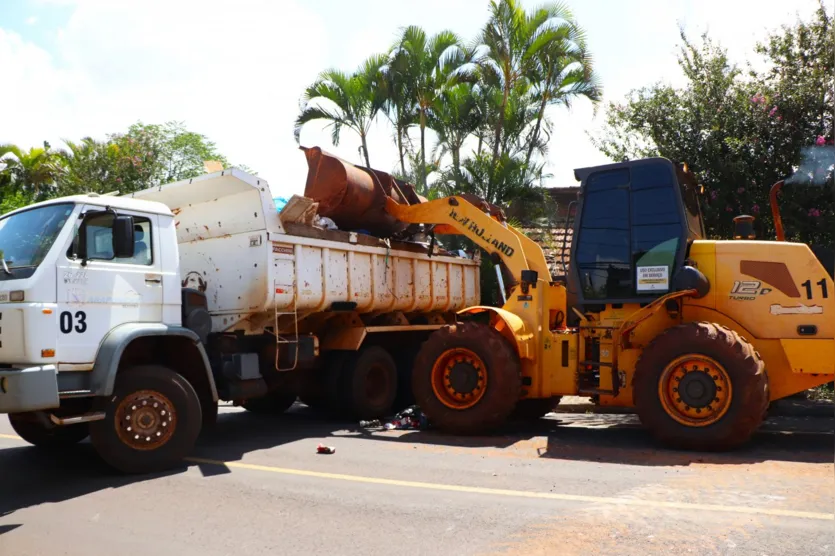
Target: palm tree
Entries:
(351, 101)
(513, 41)
(455, 116)
(400, 107)
(426, 66)
(32, 171)
(563, 71)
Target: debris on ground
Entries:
(411, 418)
(322, 449)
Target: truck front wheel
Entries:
(41, 436)
(152, 420)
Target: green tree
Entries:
(514, 43)
(344, 100)
(33, 172)
(425, 66)
(455, 116)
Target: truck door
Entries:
(95, 297)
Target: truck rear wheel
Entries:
(274, 403)
(371, 377)
(700, 386)
(467, 378)
(152, 420)
(50, 438)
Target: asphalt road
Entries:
(569, 484)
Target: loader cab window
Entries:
(631, 232)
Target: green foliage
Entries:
(141, 157)
(742, 132)
(485, 102)
(346, 100)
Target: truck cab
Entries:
(88, 283)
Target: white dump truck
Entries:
(128, 318)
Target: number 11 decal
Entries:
(808, 285)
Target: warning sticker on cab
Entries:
(282, 248)
(653, 278)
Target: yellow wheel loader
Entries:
(697, 335)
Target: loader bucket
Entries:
(354, 197)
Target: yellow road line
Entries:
(504, 492)
(519, 493)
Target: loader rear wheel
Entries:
(700, 386)
(371, 379)
(151, 422)
(467, 378)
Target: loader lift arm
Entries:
(456, 215)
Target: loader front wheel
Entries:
(467, 378)
(700, 386)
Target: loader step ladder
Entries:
(590, 363)
(281, 289)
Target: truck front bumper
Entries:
(30, 389)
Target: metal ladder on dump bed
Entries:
(280, 289)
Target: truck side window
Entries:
(100, 240)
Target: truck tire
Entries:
(274, 403)
(50, 438)
(700, 386)
(152, 420)
(533, 409)
(371, 377)
(467, 378)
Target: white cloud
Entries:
(31, 20)
(232, 74)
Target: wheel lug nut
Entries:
(675, 389)
(716, 399)
(698, 410)
(678, 400)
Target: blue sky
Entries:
(235, 70)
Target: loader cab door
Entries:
(634, 223)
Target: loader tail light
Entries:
(16, 296)
(47, 353)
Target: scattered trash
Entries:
(325, 222)
(411, 418)
(322, 449)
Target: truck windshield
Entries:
(25, 237)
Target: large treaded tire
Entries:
(503, 379)
(741, 363)
(371, 379)
(54, 438)
(188, 414)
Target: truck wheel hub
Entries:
(145, 420)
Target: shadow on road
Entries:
(594, 438)
(32, 477)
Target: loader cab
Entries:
(634, 223)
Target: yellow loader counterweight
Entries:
(697, 335)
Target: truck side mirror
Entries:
(123, 241)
